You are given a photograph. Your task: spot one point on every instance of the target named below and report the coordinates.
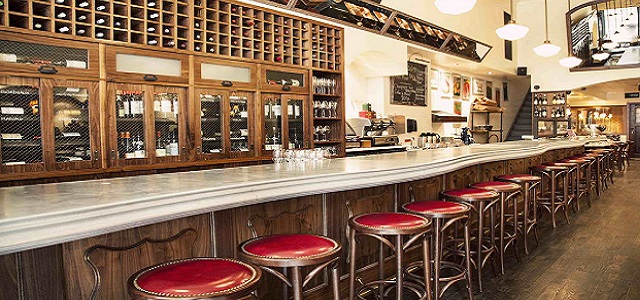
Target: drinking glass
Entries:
(326, 131)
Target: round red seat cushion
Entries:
(470, 193)
(390, 220)
(497, 186)
(518, 177)
(436, 207)
(195, 277)
(290, 246)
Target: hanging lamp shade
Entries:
(600, 56)
(570, 62)
(609, 44)
(454, 7)
(512, 31)
(547, 49)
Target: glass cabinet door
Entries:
(74, 144)
(239, 124)
(272, 125)
(296, 134)
(166, 119)
(20, 127)
(211, 138)
(130, 125)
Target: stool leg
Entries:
(426, 264)
(515, 226)
(525, 221)
(399, 271)
(437, 223)
(296, 282)
(553, 198)
(535, 211)
(352, 264)
(335, 284)
(565, 194)
(381, 268)
(479, 246)
(501, 250)
(467, 252)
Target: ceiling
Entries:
(600, 90)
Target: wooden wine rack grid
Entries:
(217, 28)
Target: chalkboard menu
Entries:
(410, 89)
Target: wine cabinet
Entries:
(284, 122)
(550, 114)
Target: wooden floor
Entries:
(597, 256)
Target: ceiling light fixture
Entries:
(600, 56)
(547, 49)
(454, 7)
(512, 31)
(570, 61)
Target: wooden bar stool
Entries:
(508, 193)
(293, 251)
(581, 171)
(587, 184)
(399, 226)
(195, 278)
(528, 223)
(481, 202)
(596, 171)
(550, 198)
(452, 213)
(572, 175)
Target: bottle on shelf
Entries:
(161, 150)
(139, 151)
(277, 109)
(64, 29)
(83, 4)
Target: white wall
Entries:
(547, 72)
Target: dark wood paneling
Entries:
(43, 274)
(419, 190)
(120, 254)
(9, 287)
(490, 170)
(461, 178)
(516, 166)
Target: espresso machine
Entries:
(381, 132)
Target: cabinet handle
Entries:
(150, 77)
(227, 83)
(286, 87)
(96, 155)
(47, 70)
(184, 150)
(113, 154)
(199, 150)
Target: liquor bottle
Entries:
(277, 109)
(129, 147)
(126, 105)
(268, 142)
(535, 100)
(544, 100)
(544, 113)
(174, 104)
(296, 110)
(120, 106)
(161, 150)
(139, 147)
(136, 105)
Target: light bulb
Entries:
(547, 49)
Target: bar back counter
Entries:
(82, 240)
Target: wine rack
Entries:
(326, 50)
(549, 114)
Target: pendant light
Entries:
(512, 31)
(600, 55)
(547, 49)
(607, 43)
(454, 7)
(615, 9)
(570, 61)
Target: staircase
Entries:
(523, 123)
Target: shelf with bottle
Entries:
(21, 142)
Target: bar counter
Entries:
(41, 215)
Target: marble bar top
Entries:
(40, 215)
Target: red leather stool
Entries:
(481, 202)
(399, 226)
(293, 251)
(529, 185)
(195, 278)
(572, 175)
(549, 197)
(582, 171)
(596, 171)
(508, 192)
(451, 213)
(587, 183)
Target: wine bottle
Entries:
(277, 109)
(160, 146)
(100, 34)
(37, 25)
(61, 15)
(248, 22)
(120, 106)
(100, 21)
(197, 48)
(126, 102)
(83, 4)
(64, 29)
(154, 15)
(152, 42)
(167, 31)
(101, 7)
(212, 49)
(278, 58)
(151, 4)
(81, 18)
(80, 31)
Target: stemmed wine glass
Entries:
(326, 130)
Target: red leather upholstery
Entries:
(290, 246)
(390, 220)
(518, 178)
(470, 193)
(436, 208)
(497, 186)
(198, 277)
(549, 168)
(574, 160)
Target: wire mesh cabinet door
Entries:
(297, 131)
(130, 118)
(210, 139)
(241, 124)
(169, 125)
(21, 147)
(72, 125)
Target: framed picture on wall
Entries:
(489, 88)
(457, 85)
(457, 107)
(478, 86)
(435, 78)
(505, 91)
(446, 83)
(497, 95)
(466, 87)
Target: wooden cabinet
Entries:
(284, 80)
(328, 111)
(224, 124)
(143, 66)
(225, 73)
(146, 124)
(284, 124)
(49, 125)
(46, 57)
